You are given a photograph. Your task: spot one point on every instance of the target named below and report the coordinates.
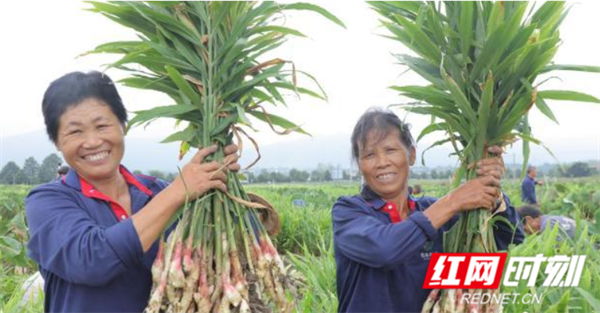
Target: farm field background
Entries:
(306, 241)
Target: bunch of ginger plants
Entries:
(210, 59)
(485, 64)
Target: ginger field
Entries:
(305, 241)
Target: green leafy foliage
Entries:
(210, 58)
(482, 62)
(465, 49)
(305, 240)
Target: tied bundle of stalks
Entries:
(482, 61)
(207, 57)
(213, 263)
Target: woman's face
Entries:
(90, 138)
(385, 164)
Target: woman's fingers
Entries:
(496, 150)
(496, 174)
(486, 200)
(217, 184)
(231, 149)
(490, 180)
(218, 175)
(230, 159)
(235, 167)
(489, 204)
(491, 191)
(491, 166)
(203, 153)
(210, 166)
(493, 170)
(211, 175)
(495, 161)
(201, 177)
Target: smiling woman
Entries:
(91, 139)
(94, 232)
(383, 237)
(379, 138)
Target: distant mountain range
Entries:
(146, 154)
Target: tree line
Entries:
(266, 176)
(293, 176)
(32, 172)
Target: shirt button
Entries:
(92, 191)
(123, 217)
(390, 207)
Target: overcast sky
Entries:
(39, 41)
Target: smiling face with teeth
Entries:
(90, 138)
(384, 162)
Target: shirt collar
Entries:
(72, 179)
(77, 182)
(371, 197)
(375, 201)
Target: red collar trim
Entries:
(412, 205)
(130, 179)
(90, 191)
(392, 210)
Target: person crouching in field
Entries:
(383, 238)
(535, 222)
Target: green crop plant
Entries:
(211, 59)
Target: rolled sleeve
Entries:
(425, 224)
(126, 243)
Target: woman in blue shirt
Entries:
(383, 238)
(94, 232)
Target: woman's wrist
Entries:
(441, 211)
(175, 193)
(451, 203)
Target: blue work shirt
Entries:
(88, 250)
(381, 265)
(528, 190)
(565, 224)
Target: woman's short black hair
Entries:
(528, 210)
(74, 88)
(383, 121)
